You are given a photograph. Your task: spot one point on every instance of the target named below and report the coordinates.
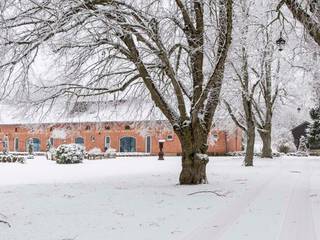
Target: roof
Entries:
(305, 123)
(109, 111)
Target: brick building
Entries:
(126, 129)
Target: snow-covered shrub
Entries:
(111, 153)
(5, 145)
(51, 151)
(285, 145)
(69, 154)
(95, 151)
(303, 149)
(236, 154)
(12, 158)
(314, 129)
(51, 154)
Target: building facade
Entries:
(121, 136)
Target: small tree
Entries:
(303, 149)
(30, 146)
(314, 129)
(5, 145)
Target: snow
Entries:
(131, 110)
(138, 198)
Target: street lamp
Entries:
(281, 42)
(161, 153)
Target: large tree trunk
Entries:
(251, 135)
(194, 158)
(266, 141)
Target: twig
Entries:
(214, 192)
(5, 222)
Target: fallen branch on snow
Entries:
(5, 222)
(217, 193)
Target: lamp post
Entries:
(161, 153)
(281, 42)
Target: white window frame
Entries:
(105, 142)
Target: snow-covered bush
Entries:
(314, 129)
(69, 154)
(51, 154)
(12, 158)
(285, 145)
(303, 149)
(95, 150)
(5, 145)
(111, 153)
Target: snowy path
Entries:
(279, 208)
(138, 199)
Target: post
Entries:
(161, 153)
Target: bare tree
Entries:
(245, 121)
(307, 13)
(175, 49)
(265, 101)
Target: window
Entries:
(51, 129)
(169, 138)
(88, 128)
(107, 127)
(16, 144)
(51, 141)
(79, 140)
(127, 144)
(16, 129)
(148, 144)
(127, 127)
(93, 139)
(107, 143)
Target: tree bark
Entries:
(266, 141)
(248, 161)
(193, 168)
(310, 23)
(194, 157)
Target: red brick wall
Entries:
(95, 137)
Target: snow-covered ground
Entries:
(138, 199)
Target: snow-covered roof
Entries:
(109, 111)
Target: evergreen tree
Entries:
(303, 145)
(314, 128)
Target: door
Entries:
(79, 140)
(127, 144)
(36, 144)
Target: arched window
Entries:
(79, 140)
(127, 127)
(36, 145)
(88, 128)
(127, 144)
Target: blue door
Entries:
(36, 144)
(127, 144)
(79, 140)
